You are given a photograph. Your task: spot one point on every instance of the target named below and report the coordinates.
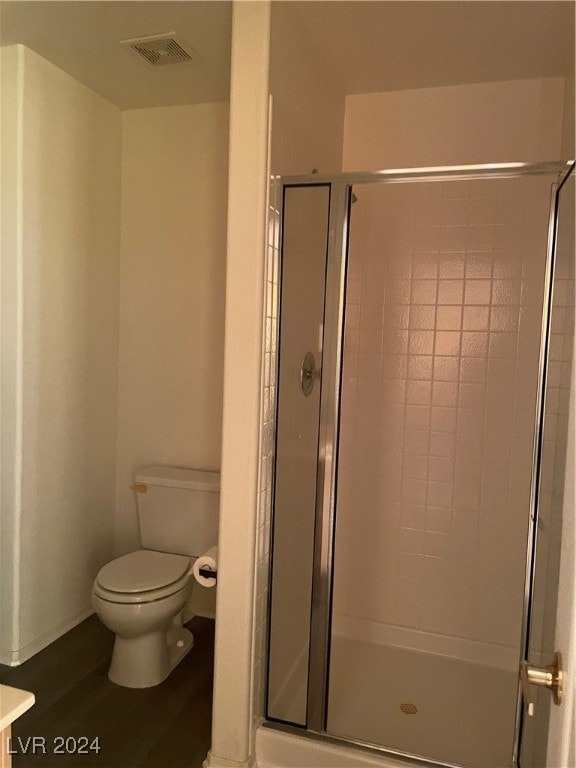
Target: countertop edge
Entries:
(13, 703)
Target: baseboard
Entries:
(15, 658)
(491, 655)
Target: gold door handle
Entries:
(139, 488)
(551, 677)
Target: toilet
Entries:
(141, 596)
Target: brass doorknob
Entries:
(551, 677)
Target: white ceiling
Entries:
(82, 39)
(364, 46)
(382, 46)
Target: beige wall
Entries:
(11, 65)
(174, 193)
(568, 122)
(307, 111)
(502, 122)
(242, 571)
(66, 250)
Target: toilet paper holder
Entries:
(207, 573)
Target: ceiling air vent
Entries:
(159, 50)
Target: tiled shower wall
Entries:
(442, 335)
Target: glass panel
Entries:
(303, 260)
(552, 474)
(442, 334)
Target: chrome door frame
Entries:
(537, 446)
(339, 220)
(333, 339)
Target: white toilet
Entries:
(140, 596)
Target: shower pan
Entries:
(424, 352)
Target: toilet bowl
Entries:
(140, 597)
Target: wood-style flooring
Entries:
(167, 726)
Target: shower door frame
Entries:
(326, 488)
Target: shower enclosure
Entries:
(424, 360)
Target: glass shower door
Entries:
(553, 561)
(303, 273)
(443, 312)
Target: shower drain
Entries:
(409, 709)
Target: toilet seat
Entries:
(142, 577)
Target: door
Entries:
(543, 724)
(446, 289)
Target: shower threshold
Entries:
(404, 707)
(286, 746)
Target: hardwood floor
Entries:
(167, 726)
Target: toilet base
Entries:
(142, 662)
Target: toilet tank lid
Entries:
(180, 477)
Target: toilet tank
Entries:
(178, 509)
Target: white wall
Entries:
(11, 72)
(510, 121)
(239, 581)
(63, 261)
(174, 197)
(308, 110)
